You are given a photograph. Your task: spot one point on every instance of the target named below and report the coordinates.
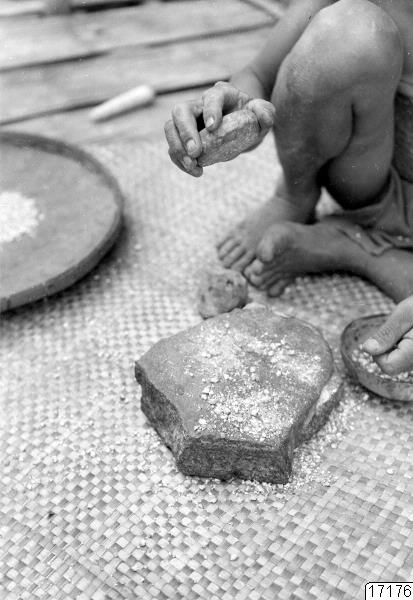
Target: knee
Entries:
(350, 42)
(363, 36)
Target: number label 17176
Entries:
(388, 590)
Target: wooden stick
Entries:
(137, 97)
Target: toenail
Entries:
(191, 146)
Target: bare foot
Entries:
(238, 248)
(290, 249)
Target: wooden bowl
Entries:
(354, 334)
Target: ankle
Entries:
(302, 202)
(341, 253)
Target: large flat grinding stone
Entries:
(60, 211)
(234, 395)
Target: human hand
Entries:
(392, 344)
(182, 130)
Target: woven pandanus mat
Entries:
(92, 505)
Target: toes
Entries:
(233, 256)
(234, 236)
(226, 247)
(260, 280)
(224, 241)
(268, 269)
(265, 250)
(254, 271)
(257, 267)
(277, 288)
(267, 280)
(244, 261)
(274, 242)
(256, 274)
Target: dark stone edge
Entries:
(259, 461)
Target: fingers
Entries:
(218, 99)
(264, 111)
(400, 359)
(177, 163)
(392, 331)
(182, 130)
(177, 151)
(184, 117)
(392, 343)
(183, 138)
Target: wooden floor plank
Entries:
(33, 40)
(53, 88)
(94, 4)
(13, 8)
(76, 126)
(274, 8)
(29, 40)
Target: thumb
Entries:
(264, 111)
(393, 329)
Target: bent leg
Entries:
(335, 117)
(344, 127)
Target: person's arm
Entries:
(250, 88)
(392, 344)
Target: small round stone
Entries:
(221, 290)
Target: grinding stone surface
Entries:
(221, 290)
(238, 132)
(234, 395)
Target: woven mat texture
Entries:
(92, 505)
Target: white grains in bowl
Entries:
(364, 360)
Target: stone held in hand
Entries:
(221, 290)
(234, 395)
(238, 132)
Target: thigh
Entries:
(357, 176)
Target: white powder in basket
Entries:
(18, 216)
